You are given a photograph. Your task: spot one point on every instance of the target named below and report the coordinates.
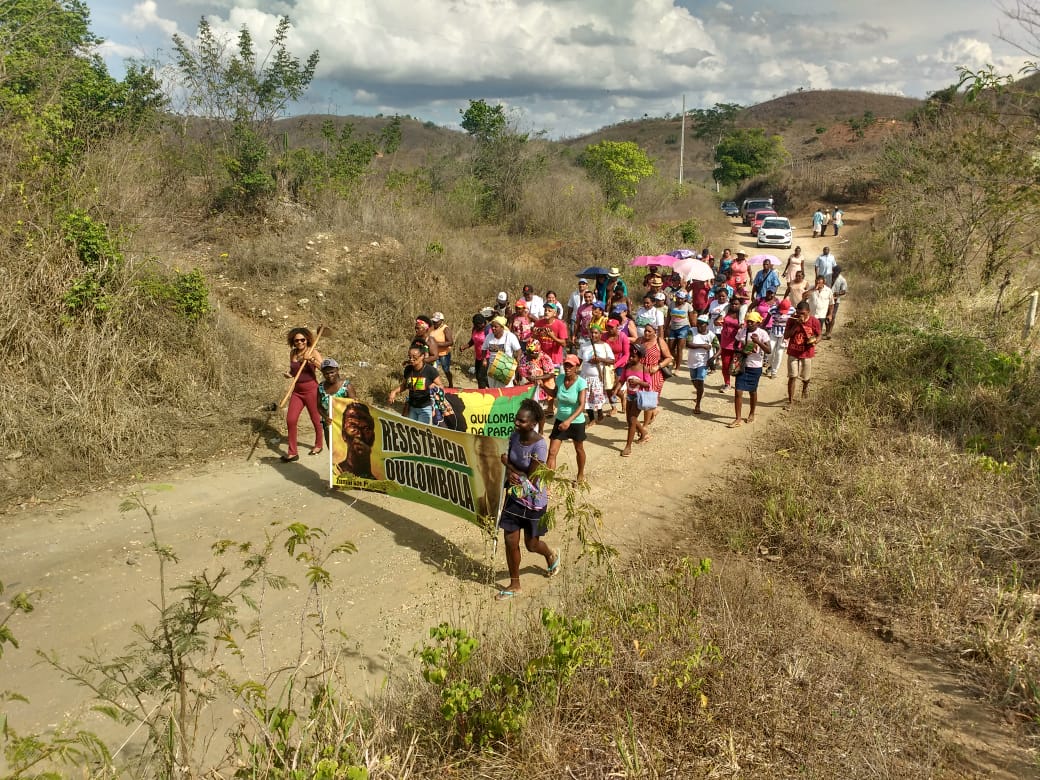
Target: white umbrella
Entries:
(695, 270)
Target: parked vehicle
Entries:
(776, 231)
(731, 208)
(753, 204)
(758, 218)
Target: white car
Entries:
(776, 231)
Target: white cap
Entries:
(502, 297)
(437, 317)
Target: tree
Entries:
(712, 124)
(617, 166)
(234, 85)
(503, 162)
(55, 91)
(246, 93)
(742, 154)
(483, 121)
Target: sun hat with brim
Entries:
(572, 360)
(329, 363)
(753, 316)
(615, 271)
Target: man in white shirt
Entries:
(840, 288)
(821, 301)
(535, 303)
(825, 266)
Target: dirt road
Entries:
(94, 576)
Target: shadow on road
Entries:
(434, 549)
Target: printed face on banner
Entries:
(456, 472)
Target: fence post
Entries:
(1034, 297)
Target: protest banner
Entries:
(488, 412)
(378, 450)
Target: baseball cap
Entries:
(784, 305)
(502, 297)
(572, 360)
(499, 321)
(659, 296)
(329, 363)
(437, 317)
(487, 312)
(753, 316)
(521, 303)
(619, 307)
(528, 289)
(583, 281)
(613, 323)
(703, 318)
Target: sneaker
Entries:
(724, 388)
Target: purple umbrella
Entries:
(683, 254)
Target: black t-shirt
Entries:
(418, 383)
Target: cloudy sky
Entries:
(571, 66)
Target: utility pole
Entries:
(682, 138)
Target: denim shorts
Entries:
(699, 374)
(679, 333)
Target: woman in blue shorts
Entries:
(526, 496)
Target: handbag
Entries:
(666, 371)
(736, 367)
(646, 399)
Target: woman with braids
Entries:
(526, 496)
(305, 391)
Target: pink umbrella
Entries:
(695, 270)
(757, 259)
(654, 260)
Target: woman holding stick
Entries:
(302, 355)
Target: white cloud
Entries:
(582, 64)
(145, 15)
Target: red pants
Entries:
(304, 395)
(727, 361)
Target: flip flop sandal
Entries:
(505, 595)
(554, 567)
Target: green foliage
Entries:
(689, 233)
(55, 91)
(859, 124)
(713, 123)
(165, 679)
(345, 159)
(484, 711)
(247, 167)
(96, 249)
(617, 167)
(503, 163)
(246, 92)
(742, 154)
(236, 84)
(92, 292)
(484, 122)
(820, 129)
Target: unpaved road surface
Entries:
(94, 577)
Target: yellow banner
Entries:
(456, 472)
